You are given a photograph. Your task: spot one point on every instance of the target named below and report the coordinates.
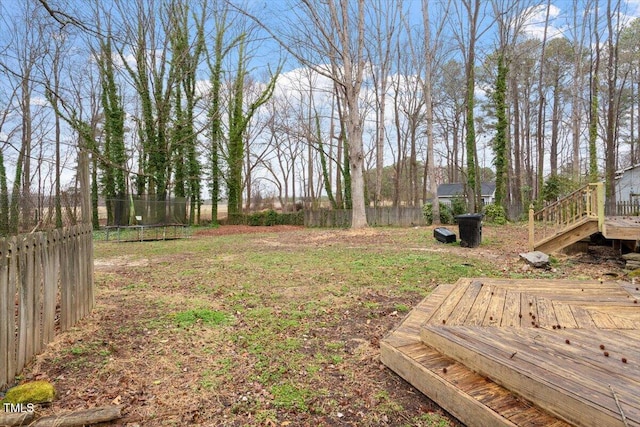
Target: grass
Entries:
(204, 316)
(277, 330)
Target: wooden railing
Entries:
(586, 203)
(46, 284)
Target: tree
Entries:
(613, 104)
(500, 141)
(384, 29)
(113, 151)
(593, 98)
(238, 122)
(428, 89)
(541, 108)
(153, 84)
(329, 38)
(216, 135)
(184, 64)
(467, 39)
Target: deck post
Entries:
(531, 231)
(600, 195)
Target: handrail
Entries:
(565, 213)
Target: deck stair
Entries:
(568, 220)
(498, 352)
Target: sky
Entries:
(268, 53)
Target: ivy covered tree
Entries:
(185, 61)
(114, 157)
(500, 140)
(238, 122)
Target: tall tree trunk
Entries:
(593, 104)
(430, 173)
(555, 125)
(500, 141)
(541, 109)
(612, 106)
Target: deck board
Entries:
(538, 339)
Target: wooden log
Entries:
(83, 417)
(15, 419)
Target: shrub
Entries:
(495, 214)
(446, 215)
(458, 205)
(556, 186)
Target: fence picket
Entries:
(49, 287)
(12, 323)
(7, 306)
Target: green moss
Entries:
(635, 273)
(31, 392)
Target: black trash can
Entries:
(470, 230)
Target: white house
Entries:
(447, 192)
(628, 185)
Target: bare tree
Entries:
(329, 37)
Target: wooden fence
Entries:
(628, 208)
(46, 284)
(382, 216)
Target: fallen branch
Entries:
(17, 419)
(80, 418)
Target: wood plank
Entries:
(620, 228)
(633, 289)
(512, 314)
(546, 314)
(618, 345)
(475, 317)
(460, 312)
(38, 345)
(24, 302)
(529, 310)
(409, 329)
(442, 312)
(12, 350)
(50, 283)
(582, 317)
(564, 315)
(496, 307)
(601, 319)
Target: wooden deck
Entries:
(525, 352)
(622, 227)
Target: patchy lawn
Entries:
(269, 326)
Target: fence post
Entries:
(531, 228)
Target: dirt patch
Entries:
(225, 230)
